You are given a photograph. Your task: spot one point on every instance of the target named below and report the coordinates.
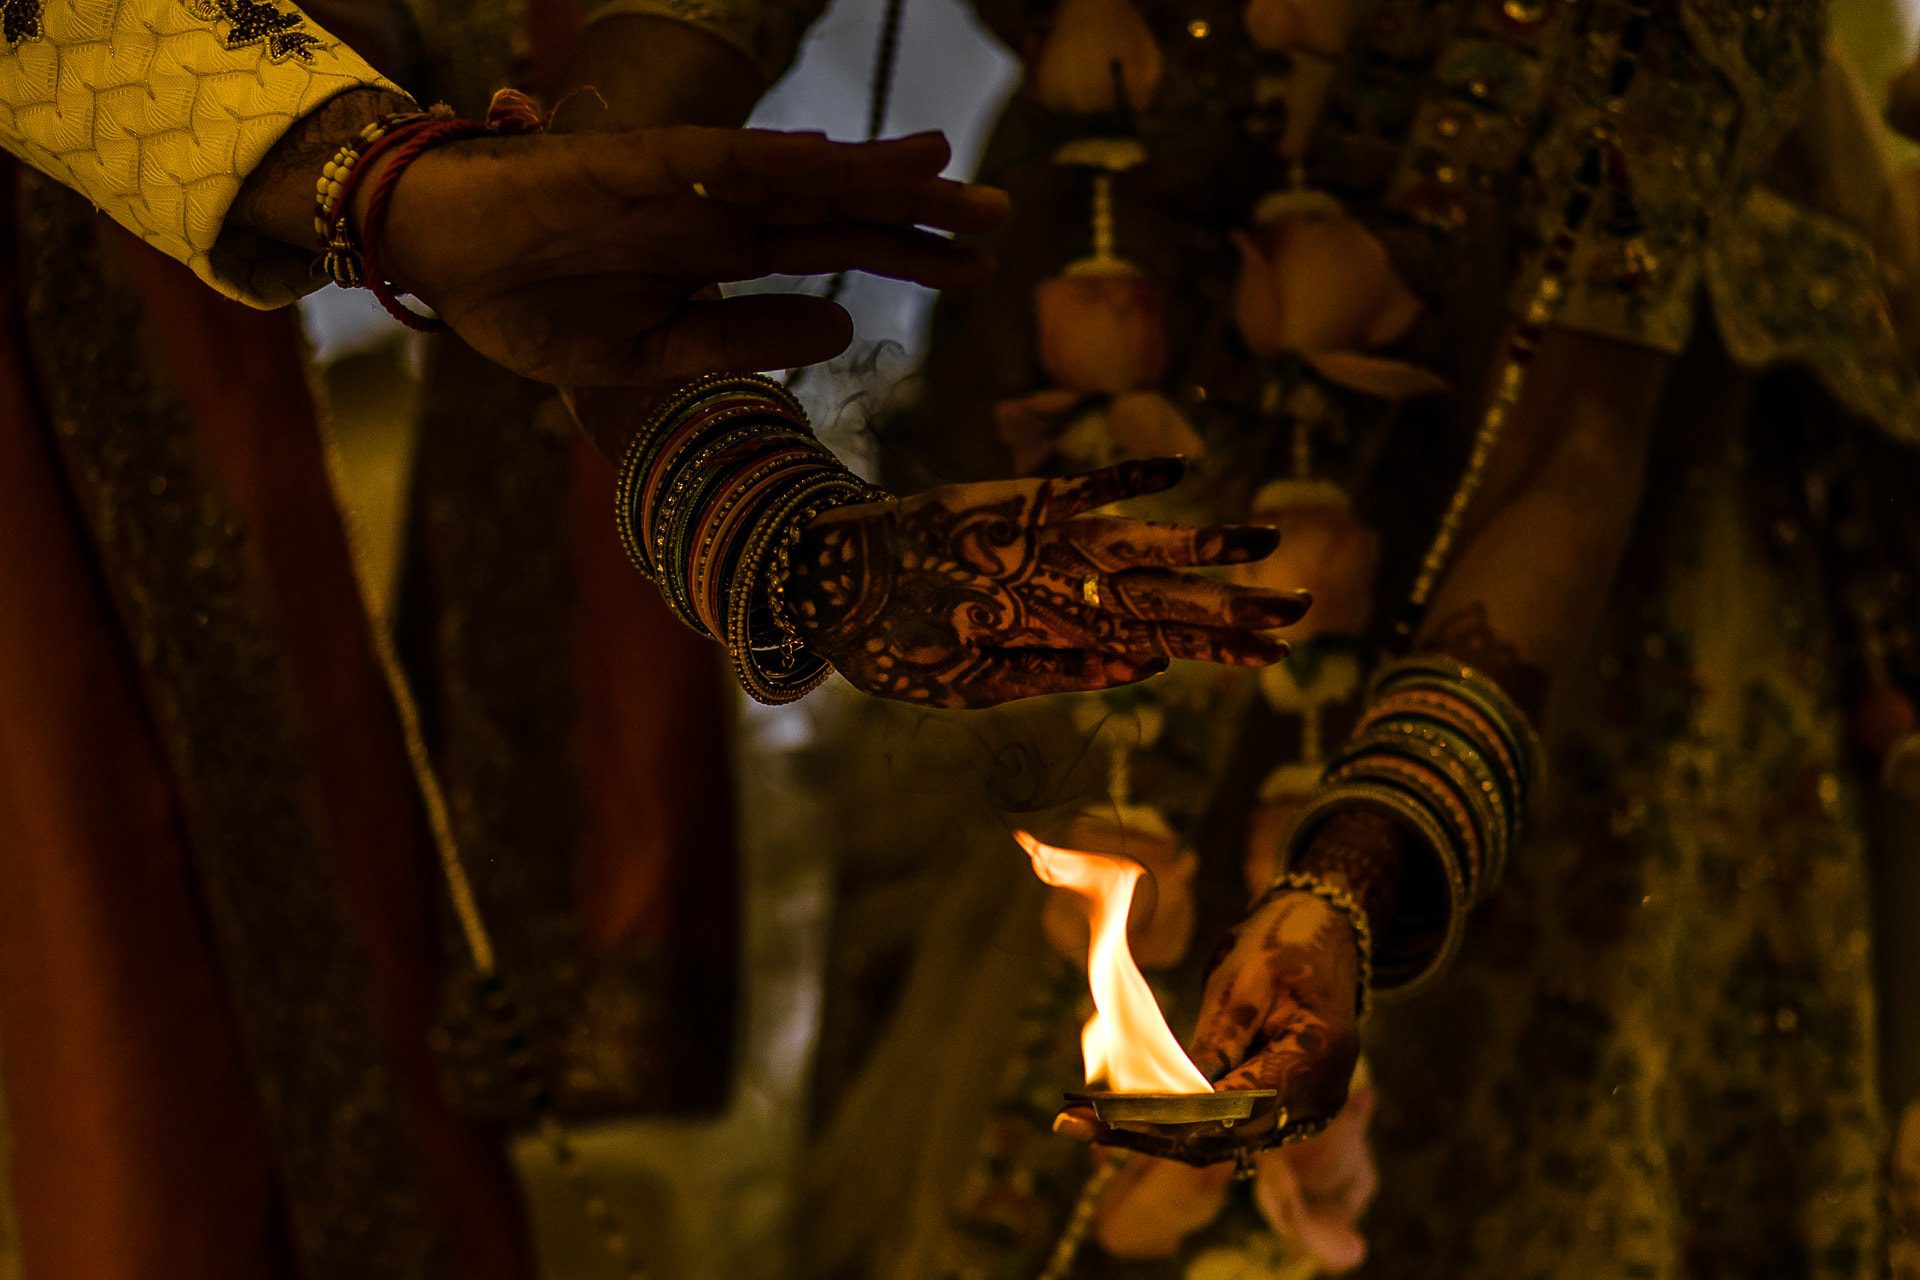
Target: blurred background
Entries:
(714, 1194)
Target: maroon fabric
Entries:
(139, 1149)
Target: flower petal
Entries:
(1074, 70)
(1152, 1206)
(1376, 375)
(1145, 424)
(1334, 279)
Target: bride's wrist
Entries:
(832, 588)
(1363, 853)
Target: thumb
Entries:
(743, 334)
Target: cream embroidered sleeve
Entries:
(156, 110)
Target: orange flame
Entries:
(1126, 1042)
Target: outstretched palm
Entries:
(972, 595)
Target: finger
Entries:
(1195, 1145)
(1113, 543)
(1076, 495)
(1007, 675)
(748, 332)
(1308, 1062)
(1229, 1021)
(1222, 646)
(960, 207)
(1162, 595)
(746, 166)
(786, 177)
(898, 253)
(1309, 1098)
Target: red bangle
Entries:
(511, 112)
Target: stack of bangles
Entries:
(711, 499)
(1446, 756)
(350, 258)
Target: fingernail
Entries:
(1246, 542)
(1267, 654)
(1071, 1126)
(1277, 609)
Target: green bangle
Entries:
(1413, 817)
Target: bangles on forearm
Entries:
(710, 497)
(1445, 756)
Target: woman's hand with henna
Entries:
(972, 595)
(1280, 1012)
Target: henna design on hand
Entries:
(1467, 635)
(973, 595)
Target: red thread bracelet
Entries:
(511, 112)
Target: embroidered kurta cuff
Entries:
(157, 110)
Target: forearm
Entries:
(276, 201)
(1528, 579)
(632, 71)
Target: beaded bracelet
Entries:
(353, 260)
(1347, 905)
(340, 256)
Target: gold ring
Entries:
(1090, 589)
(700, 190)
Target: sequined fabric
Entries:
(1657, 1057)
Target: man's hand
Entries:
(589, 259)
(973, 595)
(580, 259)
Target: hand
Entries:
(1279, 1012)
(972, 595)
(579, 259)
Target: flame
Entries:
(1126, 1042)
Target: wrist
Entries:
(276, 200)
(835, 584)
(1363, 853)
